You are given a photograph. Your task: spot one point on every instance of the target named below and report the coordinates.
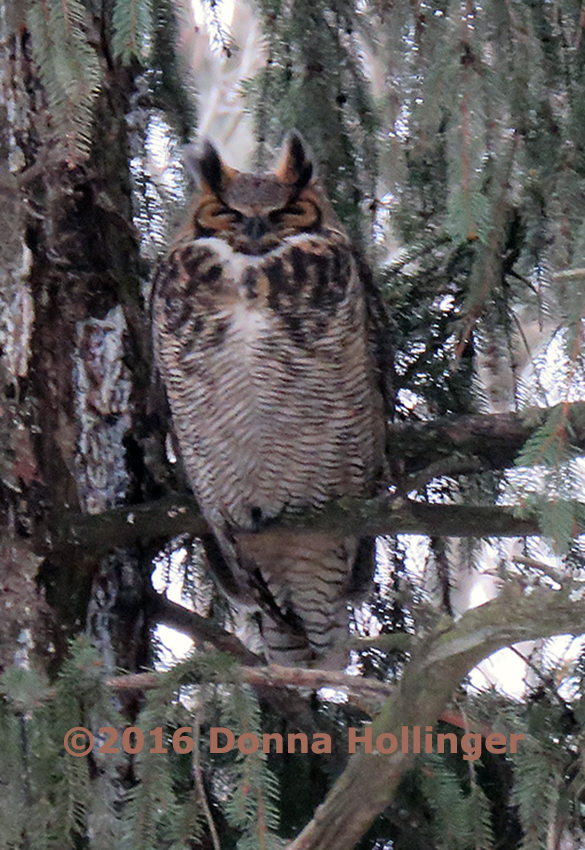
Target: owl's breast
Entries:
(268, 376)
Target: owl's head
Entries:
(255, 213)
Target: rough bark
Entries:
(75, 361)
(22, 609)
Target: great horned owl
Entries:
(263, 334)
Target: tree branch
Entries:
(438, 663)
(269, 677)
(175, 515)
(436, 668)
(471, 443)
(199, 628)
(420, 451)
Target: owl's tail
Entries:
(304, 583)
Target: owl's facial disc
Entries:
(255, 213)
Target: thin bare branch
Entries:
(200, 628)
(272, 676)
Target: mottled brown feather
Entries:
(263, 338)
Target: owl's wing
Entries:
(382, 359)
(379, 338)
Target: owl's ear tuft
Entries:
(211, 168)
(208, 169)
(295, 166)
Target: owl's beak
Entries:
(256, 227)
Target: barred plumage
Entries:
(262, 336)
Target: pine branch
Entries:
(487, 268)
(69, 69)
(200, 785)
(438, 663)
(199, 628)
(132, 24)
(473, 443)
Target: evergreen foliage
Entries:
(169, 78)
(252, 806)
(455, 811)
(314, 82)
(69, 69)
(132, 29)
(46, 797)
